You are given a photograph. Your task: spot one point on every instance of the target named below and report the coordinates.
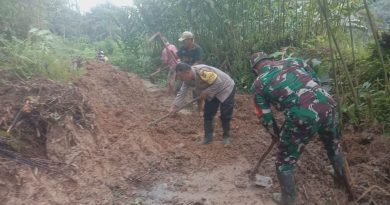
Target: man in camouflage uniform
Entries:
(292, 86)
(213, 86)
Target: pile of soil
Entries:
(31, 108)
(101, 141)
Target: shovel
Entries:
(151, 76)
(256, 169)
(170, 114)
(274, 141)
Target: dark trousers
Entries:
(226, 108)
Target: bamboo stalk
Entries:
(352, 43)
(324, 10)
(336, 81)
(375, 34)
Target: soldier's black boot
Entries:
(208, 132)
(226, 132)
(287, 184)
(337, 161)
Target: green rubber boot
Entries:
(287, 184)
(226, 132)
(208, 132)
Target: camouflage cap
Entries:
(257, 57)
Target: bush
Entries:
(41, 54)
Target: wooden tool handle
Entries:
(256, 169)
(170, 114)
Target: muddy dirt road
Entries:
(123, 161)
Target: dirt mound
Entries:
(369, 160)
(113, 157)
(29, 109)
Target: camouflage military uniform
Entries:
(293, 87)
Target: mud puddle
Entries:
(229, 184)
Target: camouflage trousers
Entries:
(298, 130)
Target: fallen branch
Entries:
(370, 189)
(22, 160)
(139, 179)
(15, 121)
(305, 193)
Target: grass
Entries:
(42, 54)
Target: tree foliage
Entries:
(35, 32)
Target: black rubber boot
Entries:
(337, 161)
(287, 184)
(208, 132)
(226, 132)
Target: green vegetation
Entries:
(41, 53)
(41, 37)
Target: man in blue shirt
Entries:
(190, 53)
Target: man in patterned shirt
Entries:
(292, 86)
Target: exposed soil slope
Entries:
(103, 142)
